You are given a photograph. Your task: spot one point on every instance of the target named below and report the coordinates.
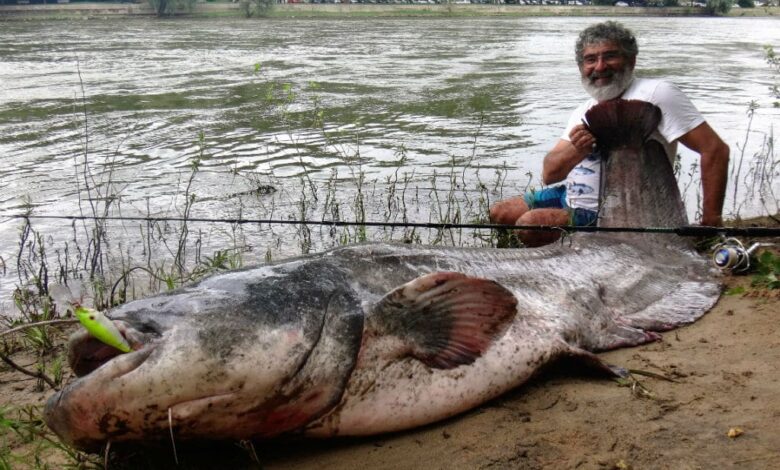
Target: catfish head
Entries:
(244, 354)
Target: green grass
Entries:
(767, 271)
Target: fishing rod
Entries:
(684, 231)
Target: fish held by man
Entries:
(635, 160)
(378, 337)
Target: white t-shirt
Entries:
(678, 117)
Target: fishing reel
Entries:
(731, 255)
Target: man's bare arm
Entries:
(559, 162)
(714, 170)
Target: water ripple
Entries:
(328, 99)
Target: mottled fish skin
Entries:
(252, 354)
(313, 345)
(569, 298)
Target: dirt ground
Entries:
(723, 376)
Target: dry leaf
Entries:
(622, 465)
(735, 432)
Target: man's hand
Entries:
(567, 154)
(582, 139)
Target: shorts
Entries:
(554, 197)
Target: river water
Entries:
(441, 110)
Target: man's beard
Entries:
(620, 81)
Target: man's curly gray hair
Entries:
(611, 31)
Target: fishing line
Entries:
(685, 231)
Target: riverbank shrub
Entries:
(261, 8)
(746, 3)
(170, 7)
(718, 7)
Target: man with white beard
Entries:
(606, 56)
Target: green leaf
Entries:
(623, 382)
(766, 257)
(735, 291)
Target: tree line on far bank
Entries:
(710, 6)
(264, 7)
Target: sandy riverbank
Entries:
(717, 376)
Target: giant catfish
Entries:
(380, 337)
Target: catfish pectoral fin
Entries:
(444, 319)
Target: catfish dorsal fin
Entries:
(444, 319)
(622, 123)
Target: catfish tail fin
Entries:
(623, 123)
(639, 188)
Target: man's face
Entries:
(606, 72)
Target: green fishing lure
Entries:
(99, 326)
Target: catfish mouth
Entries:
(86, 353)
(89, 410)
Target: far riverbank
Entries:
(90, 10)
